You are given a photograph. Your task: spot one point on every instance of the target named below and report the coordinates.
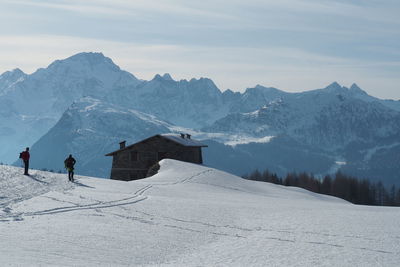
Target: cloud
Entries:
(214, 20)
(73, 6)
(291, 44)
(121, 7)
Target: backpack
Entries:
(69, 163)
(20, 155)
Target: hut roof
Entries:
(184, 141)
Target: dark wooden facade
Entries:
(133, 162)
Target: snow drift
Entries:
(186, 215)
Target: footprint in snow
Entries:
(7, 210)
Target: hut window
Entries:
(134, 156)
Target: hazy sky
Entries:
(294, 45)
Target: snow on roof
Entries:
(183, 140)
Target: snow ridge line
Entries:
(187, 179)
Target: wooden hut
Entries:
(134, 161)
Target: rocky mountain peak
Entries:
(84, 62)
(91, 57)
(157, 77)
(15, 73)
(356, 89)
(10, 78)
(334, 87)
(167, 76)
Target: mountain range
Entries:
(86, 104)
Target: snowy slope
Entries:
(187, 215)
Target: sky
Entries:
(293, 45)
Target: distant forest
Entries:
(357, 191)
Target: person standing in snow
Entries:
(69, 165)
(25, 156)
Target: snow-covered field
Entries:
(187, 215)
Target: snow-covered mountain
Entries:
(31, 104)
(52, 90)
(331, 118)
(9, 78)
(336, 121)
(89, 129)
(318, 131)
(193, 103)
(186, 215)
(357, 92)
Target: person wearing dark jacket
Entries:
(69, 165)
(25, 156)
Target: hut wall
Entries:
(134, 162)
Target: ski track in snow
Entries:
(76, 206)
(186, 216)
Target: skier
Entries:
(69, 165)
(25, 158)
